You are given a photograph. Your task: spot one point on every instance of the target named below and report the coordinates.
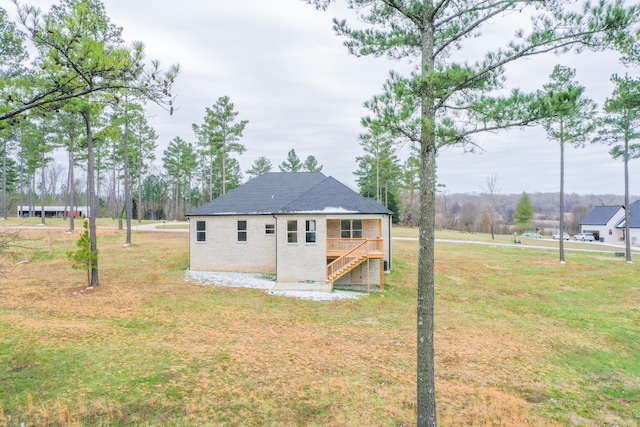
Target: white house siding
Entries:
(608, 231)
(301, 261)
(635, 236)
(256, 255)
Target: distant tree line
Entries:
(469, 212)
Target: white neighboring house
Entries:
(634, 223)
(603, 222)
(301, 227)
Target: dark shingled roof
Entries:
(600, 215)
(634, 216)
(290, 192)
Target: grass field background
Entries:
(520, 340)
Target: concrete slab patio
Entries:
(302, 286)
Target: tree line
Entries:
(476, 212)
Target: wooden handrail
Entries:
(345, 245)
(358, 251)
(375, 245)
(340, 244)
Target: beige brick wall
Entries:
(296, 262)
(302, 261)
(222, 251)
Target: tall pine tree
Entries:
(621, 123)
(292, 163)
(524, 211)
(218, 136)
(448, 100)
(570, 120)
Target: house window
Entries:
(242, 231)
(269, 229)
(351, 228)
(292, 231)
(310, 229)
(610, 232)
(201, 231)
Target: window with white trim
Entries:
(242, 231)
(269, 229)
(292, 231)
(310, 231)
(201, 231)
(351, 228)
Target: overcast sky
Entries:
(289, 75)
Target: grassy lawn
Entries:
(520, 340)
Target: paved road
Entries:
(598, 247)
(163, 227)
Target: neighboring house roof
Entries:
(290, 192)
(634, 216)
(600, 215)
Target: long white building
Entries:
(53, 211)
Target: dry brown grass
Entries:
(147, 348)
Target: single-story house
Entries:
(302, 227)
(602, 222)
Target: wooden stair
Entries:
(346, 268)
(347, 262)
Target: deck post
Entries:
(368, 278)
(381, 261)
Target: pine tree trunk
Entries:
(140, 181)
(4, 182)
(627, 236)
(112, 193)
(91, 196)
(210, 179)
(127, 178)
(177, 196)
(42, 189)
(71, 186)
(426, 283)
(561, 193)
(21, 184)
(32, 196)
(224, 171)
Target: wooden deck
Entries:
(338, 247)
